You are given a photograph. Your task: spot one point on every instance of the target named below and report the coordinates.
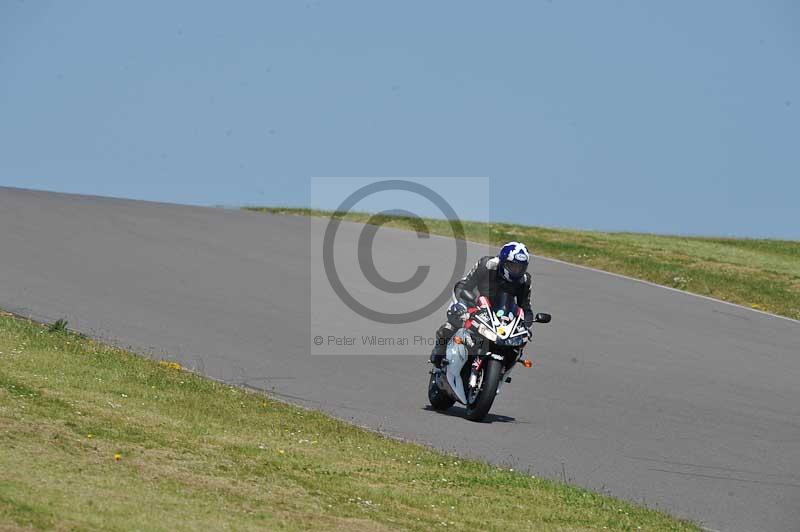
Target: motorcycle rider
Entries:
(491, 276)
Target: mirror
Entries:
(542, 317)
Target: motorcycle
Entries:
(480, 357)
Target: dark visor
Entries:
(516, 268)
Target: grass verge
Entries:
(94, 437)
(761, 274)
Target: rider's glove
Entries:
(457, 314)
(459, 308)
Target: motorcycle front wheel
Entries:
(478, 409)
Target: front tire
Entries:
(483, 403)
(439, 399)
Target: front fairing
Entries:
(457, 355)
(502, 327)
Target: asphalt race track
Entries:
(683, 403)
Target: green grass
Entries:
(93, 437)
(762, 274)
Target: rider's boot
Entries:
(438, 353)
(443, 335)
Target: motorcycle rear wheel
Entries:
(438, 398)
(483, 403)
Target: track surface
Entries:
(686, 404)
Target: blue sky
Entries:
(672, 117)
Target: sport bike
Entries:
(480, 357)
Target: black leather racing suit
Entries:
(485, 279)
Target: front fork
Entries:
(478, 363)
(475, 372)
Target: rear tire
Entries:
(491, 379)
(439, 399)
